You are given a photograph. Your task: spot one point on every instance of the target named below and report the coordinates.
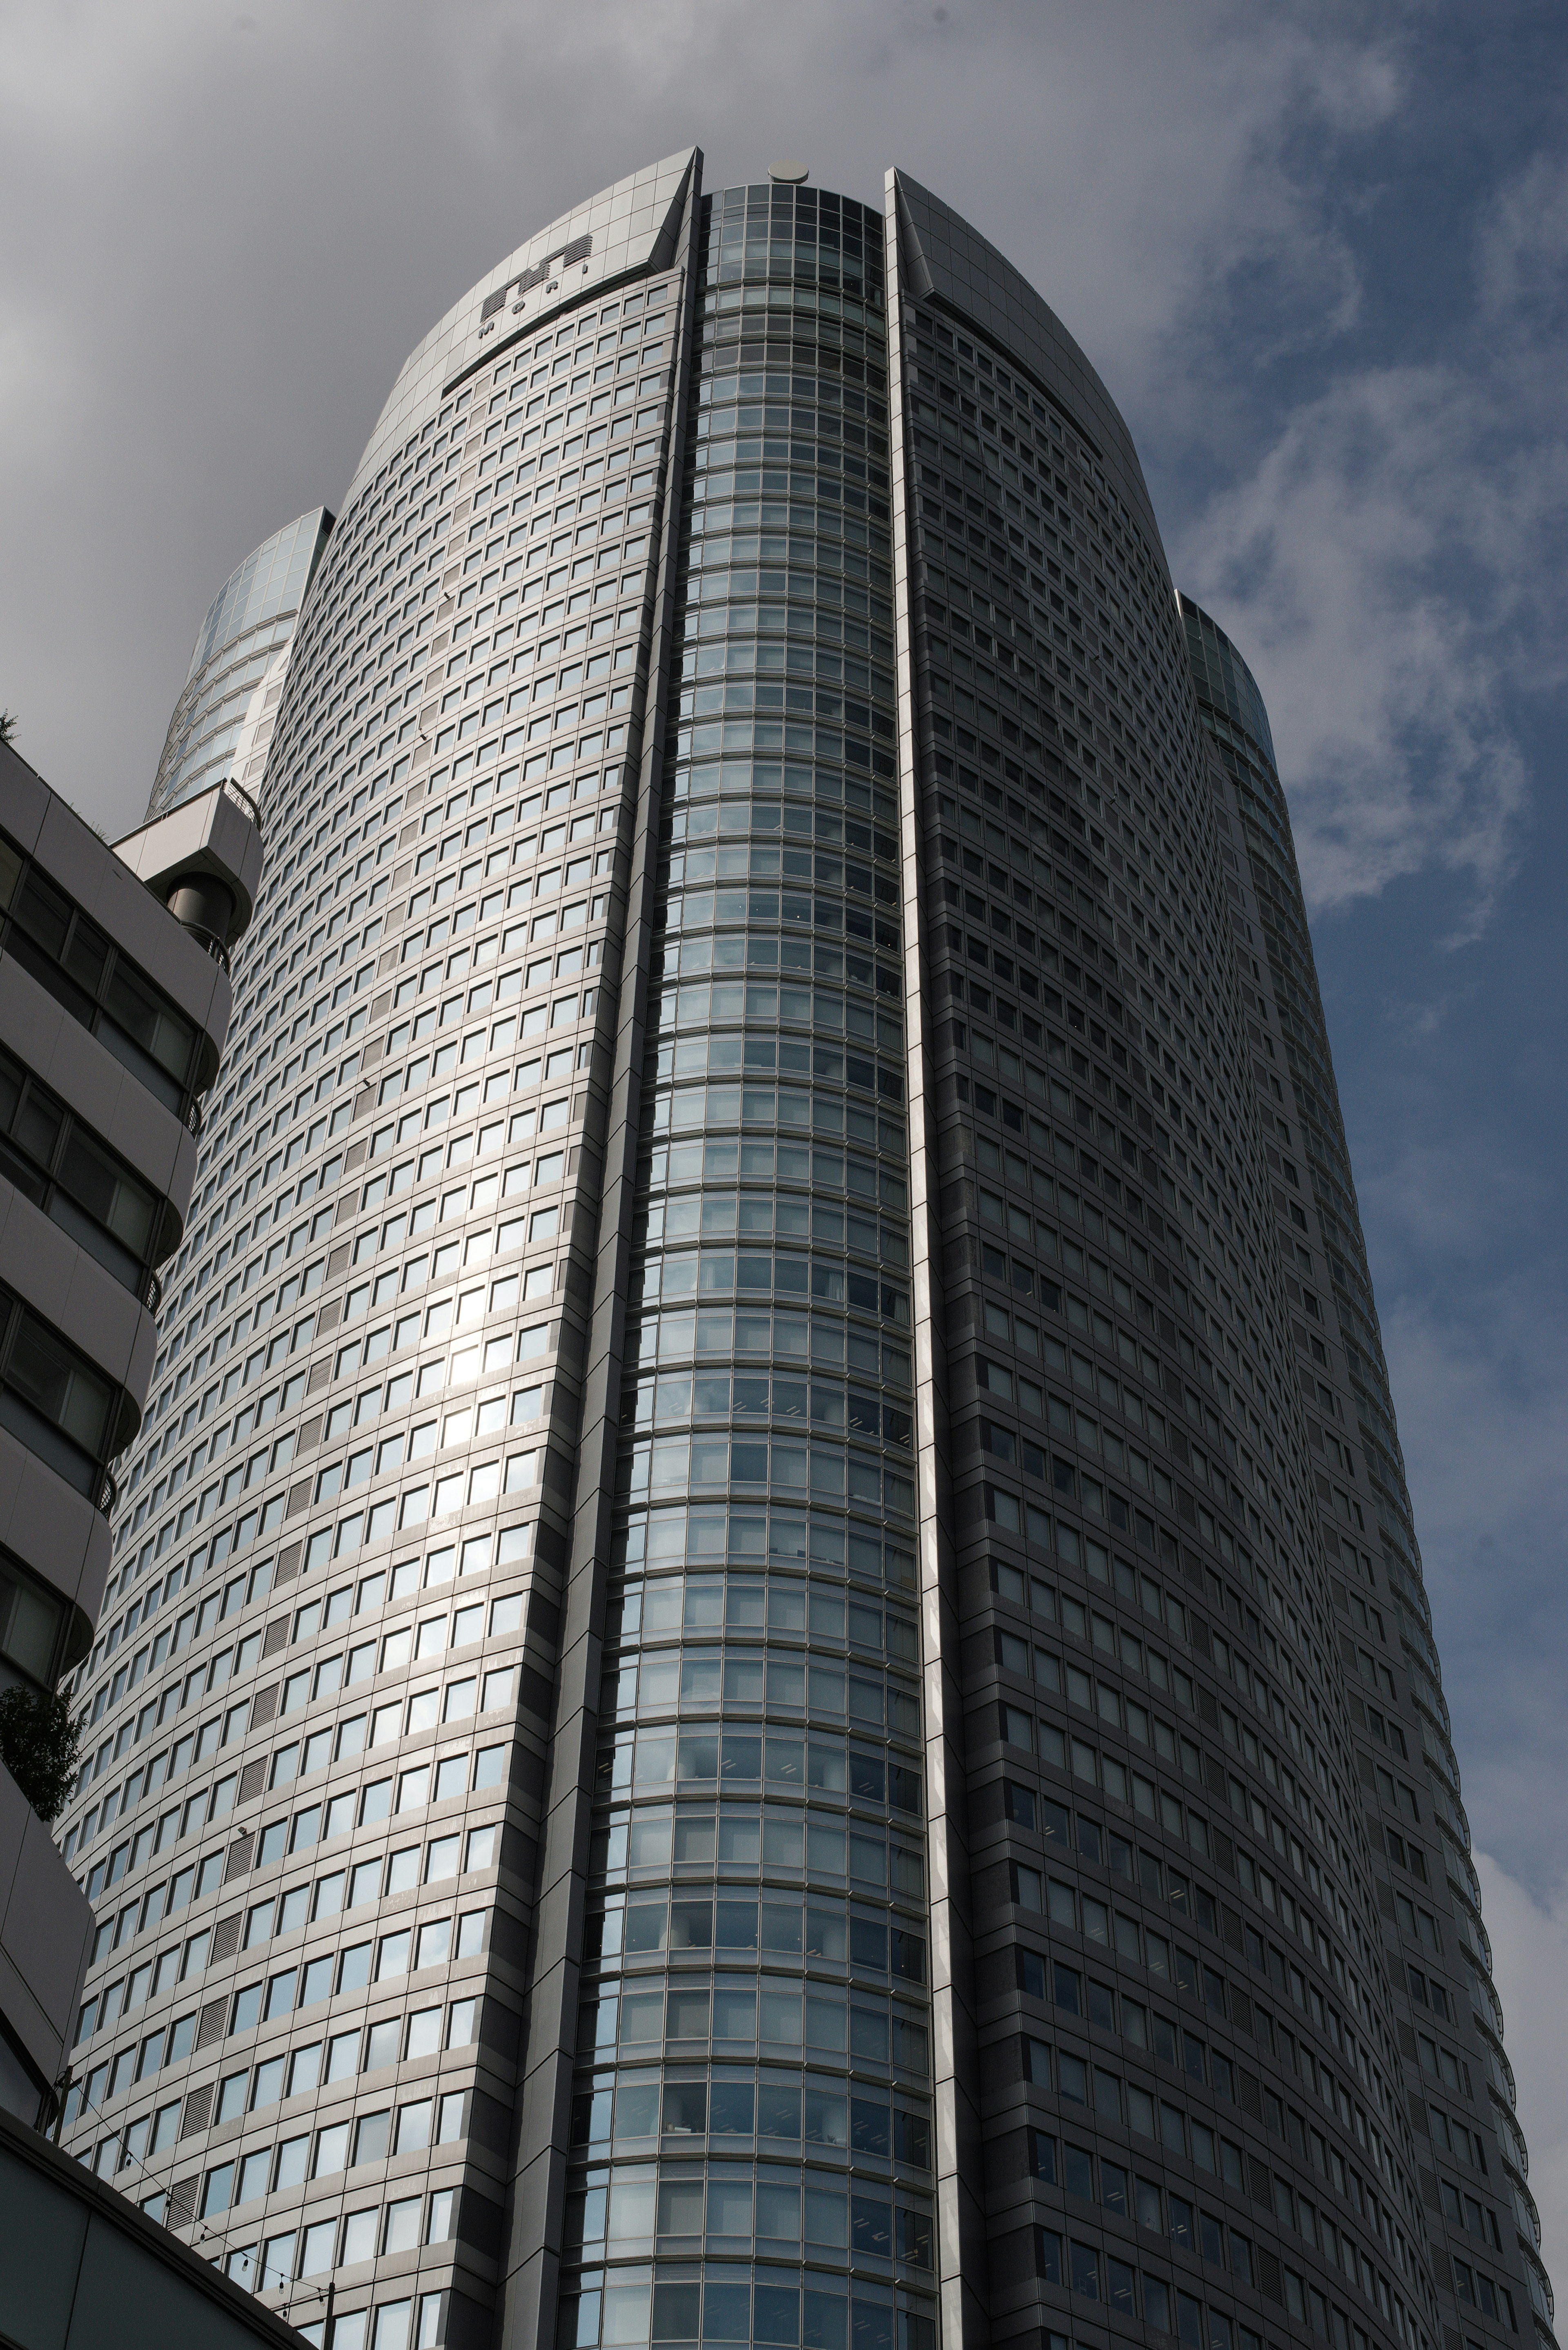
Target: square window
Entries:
(441, 1859)
(304, 2069)
(404, 1868)
(422, 2037)
(402, 2230)
(360, 2236)
(393, 1955)
(316, 2249)
(231, 2097)
(252, 2175)
(382, 2045)
(342, 2056)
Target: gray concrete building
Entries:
(764, 1677)
(114, 1006)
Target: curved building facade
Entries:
(737, 1704)
(222, 721)
(1447, 2004)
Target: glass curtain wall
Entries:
(321, 1695)
(752, 2126)
(1442, 1981)
(223, 714)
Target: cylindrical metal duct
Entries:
(205, 904)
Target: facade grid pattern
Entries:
(765, 1677)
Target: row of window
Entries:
(1093, 1918)
(696, 818)
(1158, 2208)
(339, 2146)
(714, 1395)
(632, 2214)
(1109, 2009)
(754, 1218)
(318, 2246)
(1133, 1655)
(739, 2014)
(793, 1338)
(230, 1663)
(315, 1823)
(417, 1504)
(440, 1564)
(780, 2307)
(679, 1464)
(835, 917)
(407, 1949)
(760, 1056)
(46, 933)
(752, 638)
(422, 1784)
(698, 951)
(707, 1532)
(1004, 1511)
(566, 384)
(707, 1681)
(1249, 1368)
(701, 1004)
(644, 2108)
(719, 1160)
(647, 1762)
(671, 1605)
(485, 1418)
(777, 1842)
(1153, 1803)
(377, 1878)
(637, 1926)
(358, 1733)
(55, 1161)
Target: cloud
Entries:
(1530, 1954)
(225, 241)
(1481, 1377)
(1390, 567)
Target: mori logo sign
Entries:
(562, 258)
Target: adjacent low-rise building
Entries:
(114, 1006)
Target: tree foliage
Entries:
(40, 1745)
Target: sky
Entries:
(1320, 256)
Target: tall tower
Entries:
(221, 724)
(726, 1716)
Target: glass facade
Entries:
(1367, 1527)
(751, 2118)
(749, 1693)
(222, 721)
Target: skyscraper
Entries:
(221, 724)
(789, 1698)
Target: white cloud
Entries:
(1390, 567)
(1530, 1954)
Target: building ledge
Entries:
(204, 861)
